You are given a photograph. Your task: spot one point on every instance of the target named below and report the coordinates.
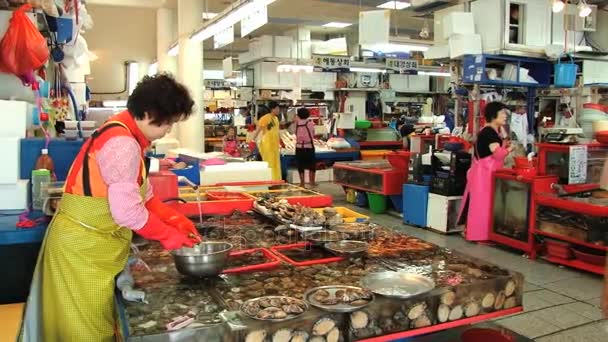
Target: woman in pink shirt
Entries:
(305, 148)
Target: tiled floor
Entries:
(560, 304)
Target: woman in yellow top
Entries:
(270, 145)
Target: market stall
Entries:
(460, 290)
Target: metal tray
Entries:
(289, 316)
(397, 284)
(341, 307)
(349, 248)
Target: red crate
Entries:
(277, 250)
(273, 261)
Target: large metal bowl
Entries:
(206, 259)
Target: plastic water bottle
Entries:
(39, 177)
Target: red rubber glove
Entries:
(251, 146)
(169, 237)
(172, 217)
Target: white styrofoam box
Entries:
(14, 196)
(299, 34)
(325, 175)
(595, 72)
(488, 19)
(282, 46)
(437, 52)
(234, 176)
(461, 44)
(245, 57)
(266, 75)
(442, 214)
(458, 23)
(398, 82)
(262, 47)
(11, 153)
(438, 22)
(15, 117)
(418, 83)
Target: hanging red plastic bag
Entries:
(23, 49)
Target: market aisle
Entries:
(560, 304)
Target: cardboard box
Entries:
(14, 196)
(458, 23)
(11, 154)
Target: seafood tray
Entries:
(339, 298)
(274, 308)
(345, 214)
(306, 253)
(313, 325)
(251, 260)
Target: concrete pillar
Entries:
(190, 72)
(166, 33)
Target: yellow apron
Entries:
(72, 292)
(271, 144)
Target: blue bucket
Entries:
(565, 74)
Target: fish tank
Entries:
(511, 206)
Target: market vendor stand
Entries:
(288, 160)
(467, 291)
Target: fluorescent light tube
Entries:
(133, 69)
(396, 5)
(435, 73)
(114, 103)
(364, 69)
(558, 6)
(335, 24)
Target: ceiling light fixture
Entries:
(335, 24)
(584, 10)
(365, 69)
(294, 68)
(557, 6)
(227, 20)
(173, 50)
(209, 15)
(396, 5)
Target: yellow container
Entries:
(374, 154)
(349, 216)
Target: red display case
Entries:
(514, 208)
(378, 177)
(553, 160)
(579, 219)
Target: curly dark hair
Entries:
(164, 99)
(492, 109)
(303, 113)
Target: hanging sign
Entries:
(328, 62)
(256, 18)
(216, 84)
(224, 37)
(402, 66)
(577, 165)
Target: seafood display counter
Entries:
(328, 300)
(378, 177)
(575, 229)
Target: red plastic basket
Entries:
(524, 163)
(273, 261)
(277, 250)
(558, 249)
(225, 195)
(399, 159)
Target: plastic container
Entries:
(351, 196)
(363, 124)
(558, 249)
(361, 199)
(602, 137)
(565, 74)
(399, 159)
(524, 163)
(45, 162)
(349, 216)
(377, 203)
(39, 178)
(486, 335)
(225, 195)
(594, 259)
(600, 125)
(374, 154)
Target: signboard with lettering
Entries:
(216, 84)
(577, 165)
(402, 66)
(224, 37)
(329, 62)
(256, 18)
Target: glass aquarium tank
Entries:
(511, 206)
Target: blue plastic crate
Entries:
(415, 204)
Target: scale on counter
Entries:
(562, 135)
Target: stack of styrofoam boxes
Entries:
(459, 30)
(301, 46)
(13, 190)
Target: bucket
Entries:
(565, 74)
(361, 199)
(524, 163)
(377, 203)
(485, 335)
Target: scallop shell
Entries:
(317, 339)
(333, 335)
(299, 336)
(359, 319)
(293, 309)
(282, 335)
(323, 326)
(320, 295)
(256, 336)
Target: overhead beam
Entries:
(128, 3)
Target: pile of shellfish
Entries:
(324, 330)
(274, 308)
(354, 297)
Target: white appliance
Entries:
(442, 213)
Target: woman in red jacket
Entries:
(107, 197)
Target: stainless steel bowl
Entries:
(206, 259)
